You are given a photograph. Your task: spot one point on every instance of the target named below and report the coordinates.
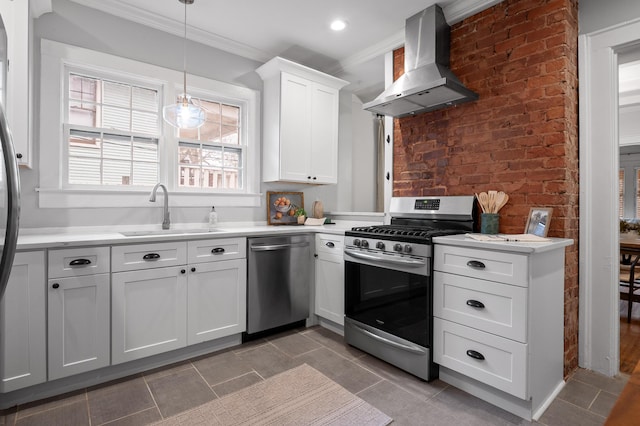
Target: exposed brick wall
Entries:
(520, 137)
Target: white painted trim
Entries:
(55, 56)
(124, 10)
(40, 7)
(599, 232)
(547, 402)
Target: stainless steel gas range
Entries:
(388, 279)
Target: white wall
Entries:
(364, 156)
(594, 15)
(78, 25)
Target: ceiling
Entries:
(262, 29)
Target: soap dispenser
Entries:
(213, 218)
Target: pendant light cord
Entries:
(184, 55)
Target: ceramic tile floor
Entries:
(145, 398)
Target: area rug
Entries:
(300, 396)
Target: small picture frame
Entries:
(538, 221)
(282, 207)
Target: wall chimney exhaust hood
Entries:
(428, 83)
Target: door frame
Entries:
(599, 323)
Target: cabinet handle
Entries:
(308, 177)
(475, 355)
(475, 304)
(151, 256)
(80, 262)
(217, 250)
(55, 285)
(476, 264)
(19, 155)
(183, 271)
(314, 178)
(193, 269)
(330, 244)
(315, 255)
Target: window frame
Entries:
(57, 58)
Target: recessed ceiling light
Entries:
(338, 25)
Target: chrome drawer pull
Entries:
(151, 256)
(80, 262)
(475, 304)
(475, 355)
(476, 264)
(217, 250)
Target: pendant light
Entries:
(184, 114)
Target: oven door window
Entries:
(393, 301)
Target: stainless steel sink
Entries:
(171, 232)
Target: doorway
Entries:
(629, 175)
(599, 328)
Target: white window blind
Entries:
(112, 132)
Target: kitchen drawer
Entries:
(76, 262)
(504, 363)
(508, 268)
(499, 309)
(217, 249)
(329, 244)
(148, 256)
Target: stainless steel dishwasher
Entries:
(278, 283)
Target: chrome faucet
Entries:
(165, 218)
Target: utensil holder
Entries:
(489, 223)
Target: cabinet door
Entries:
(324, 135)
(149, 312)
(217, 300)
(23, 353)
(78, 324)
(295, 128)
(330, 288)
(16, 20)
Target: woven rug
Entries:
(300, 396)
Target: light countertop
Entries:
(40, 238)
(511, 246)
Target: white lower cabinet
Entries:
(149, 312)
(78, 298)
(158, 308)
(217, 294)
(498, 321)
(329, 278)
(23, 351)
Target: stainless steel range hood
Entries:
(428, 83)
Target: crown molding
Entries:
(40, 7)
(124, 10)
(453, 13)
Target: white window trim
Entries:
(51, 192)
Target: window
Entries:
(103, 142)
(112, 131)
(211, 157)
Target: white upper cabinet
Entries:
(300, 110)
(16, 69)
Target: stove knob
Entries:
(397, 247)
(380, 245)
(356, 242)
(407, 248)
(365, 244)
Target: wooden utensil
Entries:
(483, 199)
(503, 198)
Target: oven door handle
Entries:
(415, 263)
(412, 349)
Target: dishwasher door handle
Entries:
(273, 247)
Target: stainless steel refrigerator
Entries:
(9, 202)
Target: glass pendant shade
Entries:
(184, 114)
